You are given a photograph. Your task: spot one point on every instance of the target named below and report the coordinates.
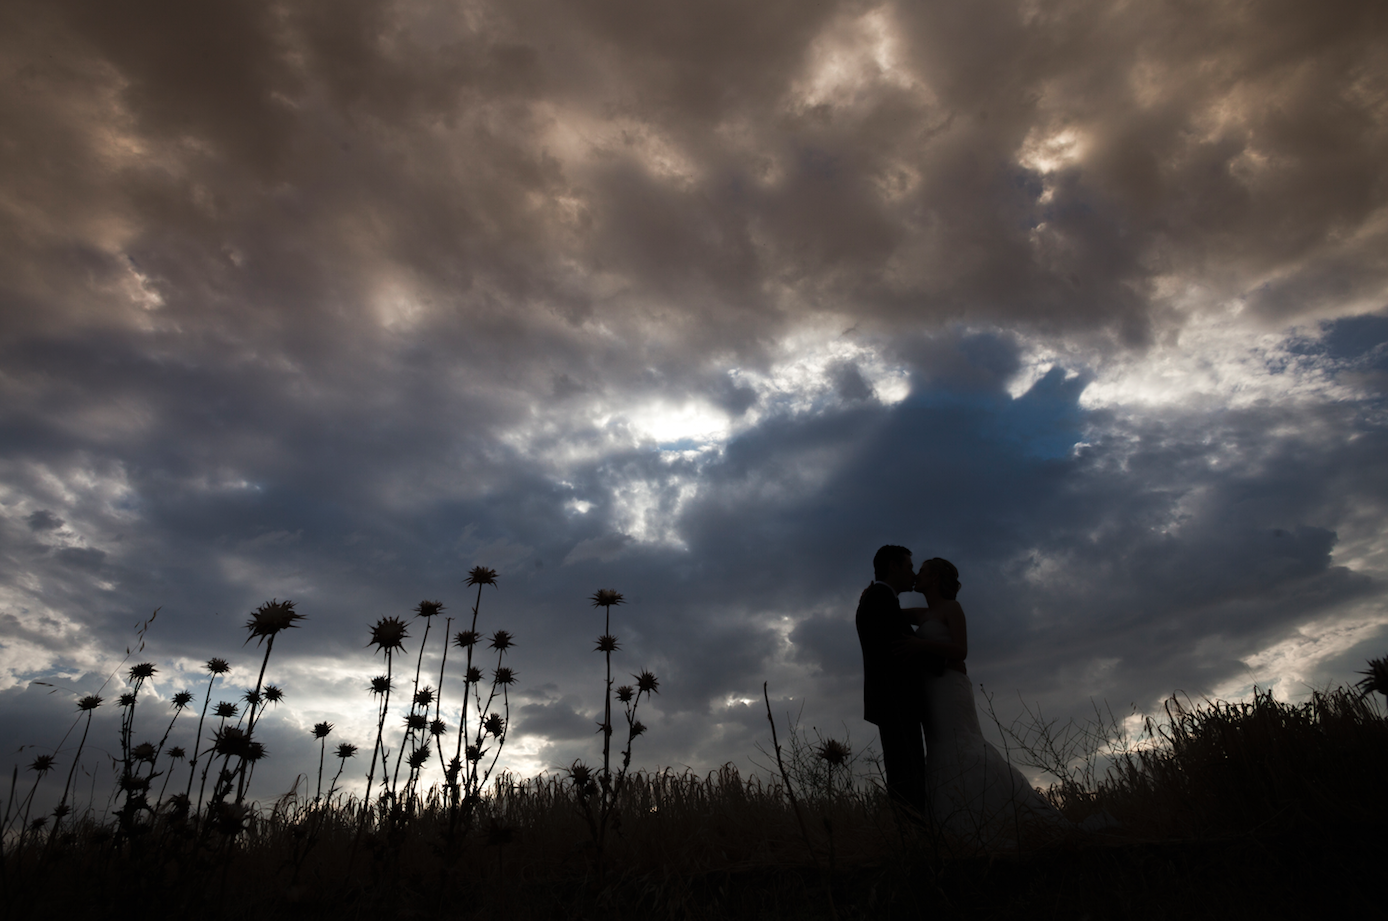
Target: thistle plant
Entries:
(605, 786)
(320, 732)
(388, 635)
(131, 784)
(215, 667)
(87, 705)
(420, 699)
(456, 775)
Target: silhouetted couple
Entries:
(916, 689)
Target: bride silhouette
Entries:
(974, 794)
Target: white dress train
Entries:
(975, 795)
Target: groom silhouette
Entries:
(894, 668)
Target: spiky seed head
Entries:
(474, 754)
(473, 675)
(416, 722)
(142, 671)
(437, 728)
(607, 643)
(346, 750)
(428, 608)
(379, 685)
(1375, 678)
(502, 640)
(132, 783)
(419, 757)
(321, 730)
(272, 618)
(252, 696)
(225, 709)
(217, 666)
(481, 575)
(504, 676)
(454, 768)
(127, 699)
(637, 728)
(424, 696)
(143, 752)
(39, 823)
(647, 683)
(179, 804)
(495, 724)
(43, 764)
(606, 598)
(90, 702)
(273, 694)
(833, 751)
(177, 753)
(388, 633)
(466, 638)
(625, 692)
(255, 751)
(61, 810)
(182, 699)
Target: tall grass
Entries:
(1212, 779)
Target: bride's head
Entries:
(943, 574)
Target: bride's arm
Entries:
(915, 615)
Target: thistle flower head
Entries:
(504, 676)
(474, 754)
(127, 699)
(217, 666)
(182, 699)
(473, 675)
(428, 608)
(143, 752)
(43, 764)
(90, 702)
(1375, 678)
(272, 618)
(419, 757)
(179, 804)
(495, 724)
(177, 753)
(466, 638)
(502, 640)
(379, 685)
(833, 751)
(273, 694)
(252, 696)
(321, 730)
(225, 709)
(346, 750)
(582, 777)
(389, 633)
(424, 696)
(647, 683)
(481, 575)
(416, 722)
(607, 643)
(61, 810)
(255, 751)
(637, 728)
(437, 728)
(606, 598)
(625, 692)
(142, 671)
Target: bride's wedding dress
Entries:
(975, 794)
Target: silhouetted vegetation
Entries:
(1252, 808)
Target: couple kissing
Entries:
(940, 770)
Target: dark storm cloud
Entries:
(333, 300)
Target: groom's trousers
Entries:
(903, 760)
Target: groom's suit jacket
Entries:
(892, 681)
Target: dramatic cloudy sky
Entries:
(332, 301)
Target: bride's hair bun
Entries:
(949, 576)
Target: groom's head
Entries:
(892, 565)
